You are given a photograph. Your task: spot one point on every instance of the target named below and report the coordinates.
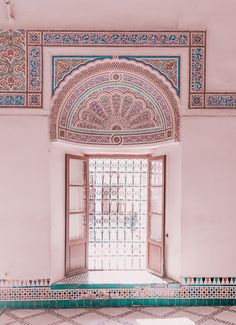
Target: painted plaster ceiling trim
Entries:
(21, 62)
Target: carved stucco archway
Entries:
(115, 101)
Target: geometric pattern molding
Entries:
(192, 291)
(209, 281)
(68, 283)
(4, 283)
(63, 65)
(182, 295)
(21, 62)
(168, 66)
(115, 101)
(12, 61)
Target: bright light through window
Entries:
(117, 214)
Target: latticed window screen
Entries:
(117, 214)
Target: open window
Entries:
(76, 214)
(115, 210)
(156, 218)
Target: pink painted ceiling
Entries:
(123, 14)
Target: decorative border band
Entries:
(185, 281)
(183, 292)
(4, 283)
(12, 100)
(28, 51)
(192, 291)
(116, 38)
(116, 303)
(209, 281)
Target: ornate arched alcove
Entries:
(113, 102)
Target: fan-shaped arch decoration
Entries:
(115, 101)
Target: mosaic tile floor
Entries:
(118, 277)
(119, 316)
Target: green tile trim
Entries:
(109, 286)
(26, 287)
(115, 303)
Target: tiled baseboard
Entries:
(115, 303)
(69, 295)
(45, 297)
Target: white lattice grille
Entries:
(117, 214)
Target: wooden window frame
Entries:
(113, 156)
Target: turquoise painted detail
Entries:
(209, 281)
(120, 132)
(115, 303)
(108, 286)
(95, 57)
(63, 286)
(12, 100)
(136, 57)
(91, 57)
(120, 38)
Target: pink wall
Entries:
(208, 196)
(201, 176)
(208, 200)
(24, 196)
